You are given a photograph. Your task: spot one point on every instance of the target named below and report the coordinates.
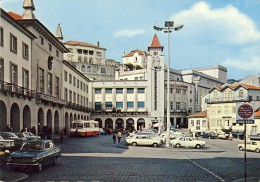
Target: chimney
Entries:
(98, 44)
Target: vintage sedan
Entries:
(6, 144)
(187, 142)
(18, 142)
(251, 146)
(208, 135)
(143, 140)
(35, 153)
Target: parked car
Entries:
(222, 135)
(187, 142)
(251, 146)
(173, 135)
(18, 142)
(143, 140)
(35, 153)
(6, 144)
(27, 135)
(101, 131)
(208, 135)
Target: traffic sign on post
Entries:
(245, 113)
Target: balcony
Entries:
(119, 113)
(178, 111)
(77, 106)
(15, 90)
(40, 97)
(228, 100)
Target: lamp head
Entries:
(169, 23)
(179, 27)
(157, 28)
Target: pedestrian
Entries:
(61, 135)
(33, 130)
(114, 139)
(119, 136)
(8, 128)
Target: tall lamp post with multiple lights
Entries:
(168, 28)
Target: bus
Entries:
(84, 128)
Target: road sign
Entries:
(245, 113)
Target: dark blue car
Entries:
(35, 153)
(208, 135)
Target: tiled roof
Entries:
(84, 44)
(257, 113)
(235, 86)
(155, 42)
(251, 87)
(202, 114)
(130, 54)
(15, 16)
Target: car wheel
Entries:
(155, 145)
(39, 167)
(257, 150)
(198, 146)
(134, 144)
(55, 161)
(241, 148)
(178, 145)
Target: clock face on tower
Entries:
(156, 59)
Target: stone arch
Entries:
(109, 123)
(49, 119)
(3, 116)
(88, 69)
(27, 117)
(40, 120)
(83, 68)
(15, 117)
(85, 117)
(56, 123)
(130, 124)
(99, 122)
(85, 59)
(119, 123)
(79, 116)
(140, 124)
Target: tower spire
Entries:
(58, 33)
(155, 45)
(28, 9)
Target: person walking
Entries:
(61, 135)
(114, 139)
(119, 136)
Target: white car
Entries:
(143, 140)
(173, 135)
(251, 146)
(187, 142)
(6, 143)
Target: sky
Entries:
(215, 32)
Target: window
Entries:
(65, 94)
(65, 76)
(141, 90)
(178, 105)
(140, 104)
(130, 90)
(70, 99)
(70, 78)
(25, 51)
(204, 123)
(74, 81)
(119, 90)
(130, 104)
(98, 91)
(184, 91)
(42, 40)
(79, 51)
(25, 79)
(1, 36)
(74, 97)
(119, 105)
(83, 68)
(57, 87)
(85, 52)
(13, 43)
(109, 105)
(109, 90)
(50, 47)
(230, 95)
(98, 106)
(77, 83)
(1, 69)
(103, 71)
(171, 89)
(14, 74)
(88, 69)
(171, 105)
(178, 91)
(57, 53)
(219, 109)
(219, 122)
(41, 80)
(49, 84)
(215, 96)
(192, 122)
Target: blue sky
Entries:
(224, 32)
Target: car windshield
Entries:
(12, 136)
(32, 146)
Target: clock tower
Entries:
(155, 78)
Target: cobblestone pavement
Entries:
(97, 159)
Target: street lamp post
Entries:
(168, 28)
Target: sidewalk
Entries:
(11, 176)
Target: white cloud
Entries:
(224, 25)
(128, 33)
(252, 64)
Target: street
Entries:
(97, 159)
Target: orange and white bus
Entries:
(84, 128)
